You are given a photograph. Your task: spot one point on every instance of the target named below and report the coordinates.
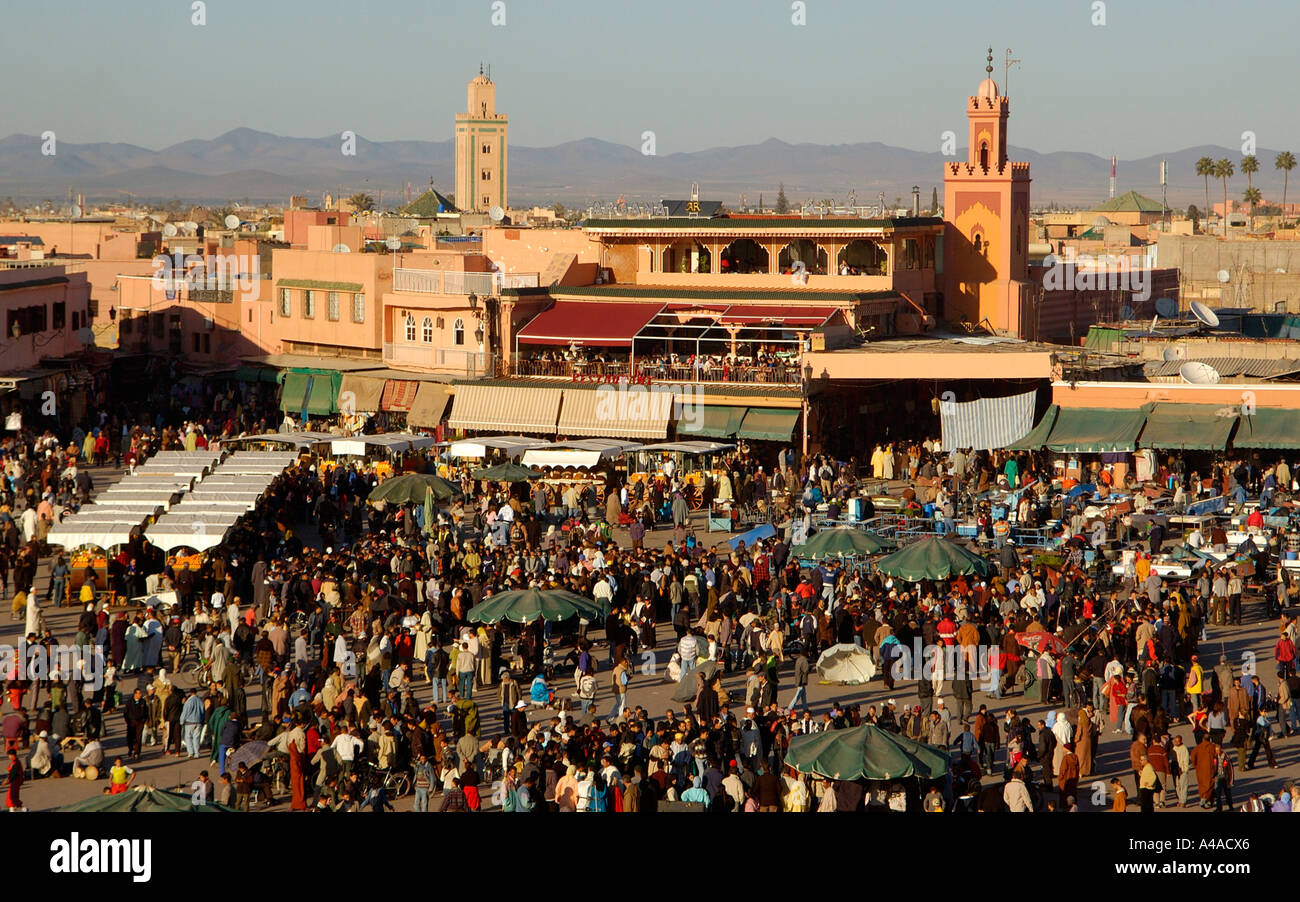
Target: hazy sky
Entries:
(1160, 75)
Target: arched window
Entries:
(984, 155)
(979, 243)
(426, 331)
(410, 327)
(458, 332)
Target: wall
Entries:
(26, 351)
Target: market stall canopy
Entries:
(360, 394)
(613, 411)
(771, 424)
(294, 439)
(689, 447)
(842, 541)
(1189, 427)
(71, 534)
(512, 445)
(315, 392)
(932, 558)
(507, 472)
(410, 488)
(1269, 428)
(753, 537)
(846, 664)
(1037, 437)
(527, 605)
(505, 408)
(714, 421)
(866, 752)
(1096, 430)
(987, 423)
(605, 324)
(389, 442)
(585, 453)
(431, 400)
(197, 535)
(399, 395)
(142, 798)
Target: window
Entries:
(207, 342)
(284, 302)
(458, 332)
(196, 342)
(334, 306)
(486, 200)
(984, 156)
(487, 148)
(60, 314)
(309, 304)
(487, 175)
(76, 321)
(410, 327)
(358, 308)
(94, 308)
(426, 331)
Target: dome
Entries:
(988, 90)
(1101, 222)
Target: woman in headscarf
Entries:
(135, 638)
(566, 790)
(706, 699)
(1064, 734)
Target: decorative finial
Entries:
(989, 67)
(480, 67)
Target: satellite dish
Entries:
(1224, 275)
(232, 221)
(169, 231)
(1167, 307)
(1174, 352)
(1205, 314)
(342, 249)
(393, 243)
(190, 225)
(496, 214)
(1126, 312)
(1195, 372)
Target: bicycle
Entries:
(396, 783)
(200, 670)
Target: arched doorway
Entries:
(810, 253)
(861, 257)
(686, 256)
(744, 255)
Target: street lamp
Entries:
(473, 301)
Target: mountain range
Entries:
(264, 167)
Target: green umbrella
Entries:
(527, 605)
(843, 541)
(507, 472)
(865, 752)
(932, 558)
(410, 488)
(142, 798)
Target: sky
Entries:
(1157, 76)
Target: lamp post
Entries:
(807, 387)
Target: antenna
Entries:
(496, 214)
(1174, 352)
(1203, 313)
(169, 231)
(1195, 372)
(342, 249)
(232, 221)
(1167, 307)
(1006, 73)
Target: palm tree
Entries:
(1286, 162)
(1205, 168)
(1223, 169)
(1252, 197)
(1249, 166)
(361, 202)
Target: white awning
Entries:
(391, 442)
(103, 535)
(986, 424)
(512, 445)
(503, 408)
(560, 457)
(198, 539)
(610, 411)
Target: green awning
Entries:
(1037, 437)
(1188, 427)
(248, 373)
(769, 424)
(713, 422)
(1096, 430)
(1269, 429)
(323, 388)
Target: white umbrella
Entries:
(846, 664)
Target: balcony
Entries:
(454, 361)
(743, 373)
(434, 281)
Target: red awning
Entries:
(399, 395)
(597, 323)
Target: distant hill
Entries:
(266, 167)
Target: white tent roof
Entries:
(513, 445)
(392, 442)
(179, 537)
(102, 535)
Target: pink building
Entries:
(42, 310)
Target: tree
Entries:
(1223, 169)
(782, 204)
(1286, 162)
(1252, 197)
(361, 202)
(1205, 168)
(934, 201)
(558, 210)
(1250, 166)
(760, 201)
(1195, 216)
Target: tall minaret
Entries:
(481, 149)
(1112, 175)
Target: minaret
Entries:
(1112, 175)
(481, 149)
(986, 236)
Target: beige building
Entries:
(481, 141)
